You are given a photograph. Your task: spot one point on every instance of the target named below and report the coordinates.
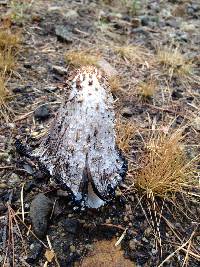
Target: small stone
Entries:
(71, 225)
(154, 251)
(59, 70)
(42, 112)
(35, 251)
(108, 220)
(176, 95)
(27, 65)
(40, 210)
(147, 231)
(72, 248)
(132, 244)
(125, 219)
(126, 112)
(144, 20)
(13, 180)
(136, 22)
(70, 14)
(63, 35)
(4, 156)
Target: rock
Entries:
(126, 112)
(72, 248)
(71, 225)
(136, 22)
(144, 20)
(27, 65)
(196, 123)
(70, 14)
(59, 70)
(4, 156)
(42, 112)
(40, 210)
(35, 251)
(176, 94)
(13, 180)
(63, 34)
(107, 68)
(132, 244)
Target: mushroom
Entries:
(79, 149)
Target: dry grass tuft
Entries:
(135, 54)
(115, 84)
(165, 169)
(9, 44)
(4, 97)
(3, 91)
(175, 64)
(147, 89)
(81, 58)
(9, 40)
(124, 135)
(7, 60)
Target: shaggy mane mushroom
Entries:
(79, 149)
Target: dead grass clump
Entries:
(175, 63)
(7, 60)
(147, 89)
(3, 90)
(135, 54)
(115, 84)
(9, 40)
(165, 169)
(81, 58)
(124, 134)
(4, 96)
(9, 44)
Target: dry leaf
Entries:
(49, 254)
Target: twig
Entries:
(178, 249)
(121, 238)
(113, 225)
(22, 201)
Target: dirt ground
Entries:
(50, 29)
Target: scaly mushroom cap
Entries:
(80, 147)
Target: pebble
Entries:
(71, 225)
(176, 95)
(35, 251)
(126, 112)
(70, 14)
(132, 244)
(72, 248)
(40, 210)
(59, 70)
(42, 112)
(63, 34)
(13, 180)
(4, 156)
(3, 186)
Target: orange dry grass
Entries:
(135, 54)
(175, 64)
(124, 134)
(115, 84)
(166, 168)
(147, 89)
(81, 58)
(8, 39)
